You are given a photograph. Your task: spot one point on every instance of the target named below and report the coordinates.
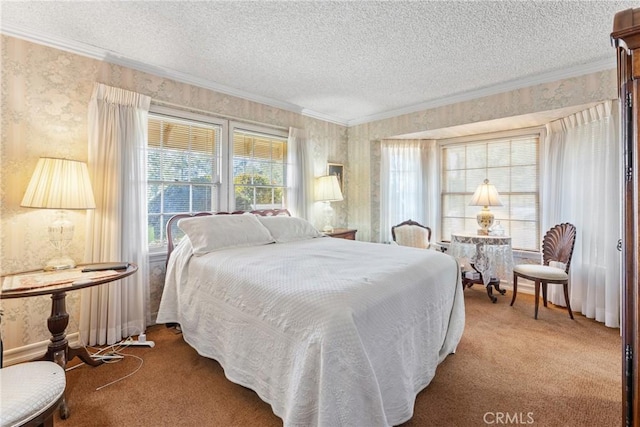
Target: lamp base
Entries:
(62, 262)
(327, 211)
(60, 236)
(485, 221)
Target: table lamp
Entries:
(327, 190)
(59, 184)
(486, 195)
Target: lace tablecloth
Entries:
(491, 255)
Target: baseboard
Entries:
(523, 287)
(32, 351)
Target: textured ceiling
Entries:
(348, 62)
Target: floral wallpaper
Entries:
(45, 93)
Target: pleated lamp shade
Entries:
(328, 189)
(59, 184)
(486, 195)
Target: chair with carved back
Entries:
(557, 249)
(411, 233)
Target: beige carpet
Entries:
(509, 369)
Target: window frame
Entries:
(225, 186)
(260, 130)
(165, 113)
(538, 132)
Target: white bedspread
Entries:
(330, 332)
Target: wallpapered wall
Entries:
(45, 94)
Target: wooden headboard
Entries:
(172, 224)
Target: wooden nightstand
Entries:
(343, 233)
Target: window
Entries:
(259, 170)
(511, 164)
(183, 171)
(192, 167)
(406, 191)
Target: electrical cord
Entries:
(116, 350)
(126, 376)
(112, 354)
(108, 354)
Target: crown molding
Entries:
(39, 37)
(93, 52)
(588, 68)
(324, 117)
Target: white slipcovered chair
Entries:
(31, 393)
(411, 233)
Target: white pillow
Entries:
(289, 229)
(217, 232)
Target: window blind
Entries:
(259, 170)
(182, 170)
(511, 164)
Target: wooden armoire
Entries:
(626, 39)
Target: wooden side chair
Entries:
(557, 249)
(411, 233)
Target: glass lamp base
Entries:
(60, 236)
(61, 262)
(328, 216)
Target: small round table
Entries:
(490, 256)
(34, 283)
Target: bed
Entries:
(329, 332)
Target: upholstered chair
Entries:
(557, 249)
(31, 393)
(411, 233)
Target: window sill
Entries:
(157, 256)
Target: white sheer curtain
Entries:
(117, 228)
(299, 193)
(408, 184)
(581, 173)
